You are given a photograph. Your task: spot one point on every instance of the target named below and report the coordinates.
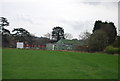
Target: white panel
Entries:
(20, 44)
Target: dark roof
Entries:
(71, 42)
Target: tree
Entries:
(109, 28)
(68, 36)
(57, 33)
(3, 22)
(5, 33)
(5, 37)
(97, 25)
(22, 35)
(117, 42)
(41, 40)
(98, 41)
(84, 36)
(48, 35)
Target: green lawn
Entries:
(40, 64)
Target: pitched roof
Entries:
(71, 42)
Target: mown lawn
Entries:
(40, 64)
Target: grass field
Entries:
(40, 64)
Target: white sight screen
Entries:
(19, 44)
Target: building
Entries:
(64, 44)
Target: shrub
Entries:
(98, 41)
(112, 50)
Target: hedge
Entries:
(112, 50)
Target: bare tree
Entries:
(84, 35)
(48, 35)
(68, 36)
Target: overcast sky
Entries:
(75, 16)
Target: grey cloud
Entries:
(97, 0)
(92, 3)
(27, 20)
(23, 18)
(75, 16)
(79, 25)
(82, 25)
(30, 19)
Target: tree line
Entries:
(18, 35)
(103, 35)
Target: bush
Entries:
(112, 50)
(98, 41)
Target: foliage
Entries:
(43, 64)
(3, 22)
(5, 32)
(109, 28)
(57, 33)
(97, 41)
(40, 40)
(22, 35)
(21, 32)
(112, 50)
(97, 25)
(117, 42)
(84, 36)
